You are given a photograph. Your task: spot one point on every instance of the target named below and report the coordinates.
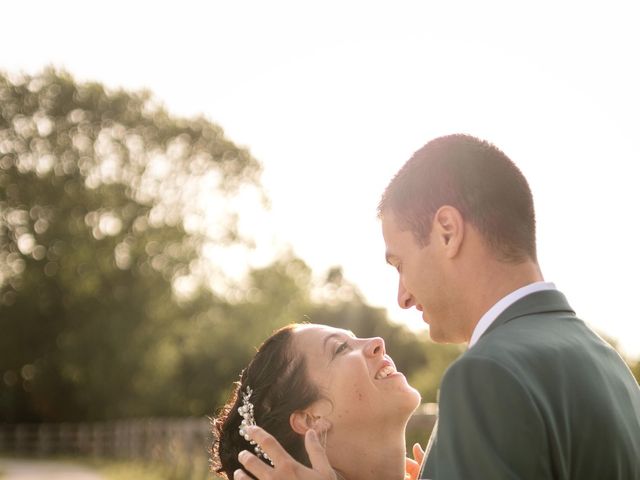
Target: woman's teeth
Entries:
(385, 372)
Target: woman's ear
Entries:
(299, 422)
(303, 420)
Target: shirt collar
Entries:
(488, 318)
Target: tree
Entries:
(99, 223)
(225, 337)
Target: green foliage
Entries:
(223, 338)
(94, 187)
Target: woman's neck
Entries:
(369, 454)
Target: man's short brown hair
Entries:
(476, 178)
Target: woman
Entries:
(346, 389)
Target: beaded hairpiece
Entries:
(246, 411)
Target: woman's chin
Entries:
(417, 399)
(410, 402)
(413, 396)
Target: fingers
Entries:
(418, 452)
(254, 465)
(412, 469)
(240, 475)
(316, 452)
(270, 445)
(285, 467)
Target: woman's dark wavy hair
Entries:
(280, 383)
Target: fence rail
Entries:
(181, 445)
(126, 438)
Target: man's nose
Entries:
(405, 299)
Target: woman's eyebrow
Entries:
(329, 337)
(347, 333)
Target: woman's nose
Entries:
(375, 347)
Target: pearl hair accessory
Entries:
(246, 412)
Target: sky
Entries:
(333, 97)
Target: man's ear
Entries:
(448, 229)
(303, 420)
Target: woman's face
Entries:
(357, 377)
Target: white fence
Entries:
(181, 445)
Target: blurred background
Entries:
(177, 180)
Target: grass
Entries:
(126, 470)
(139, 470)
(119, 469)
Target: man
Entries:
(537, 395)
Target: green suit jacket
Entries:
(539, 396)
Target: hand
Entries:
(286, 468)
(413, 466)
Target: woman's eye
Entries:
(342, 347)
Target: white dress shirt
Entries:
(493, 313)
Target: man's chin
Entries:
(436, 335)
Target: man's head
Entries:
(459, 203)
(477, 179)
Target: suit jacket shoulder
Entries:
(540, 395)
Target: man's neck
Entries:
(500, 279)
